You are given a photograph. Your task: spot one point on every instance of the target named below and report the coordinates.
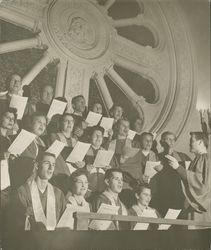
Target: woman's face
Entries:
(38, 125)
(138, 125)
(67, 123)
(8, 120)
(144, 197)
(80, 185)
(97, 108)
(97, 138)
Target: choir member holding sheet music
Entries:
(39, 204)
(95, 173)
(121, 141)
(134, 160)
(114, 184)
(38, 123)
(169, 193)
(142, 198)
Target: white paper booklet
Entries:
(146, 213)
(4, 173)
(57, 107)
(56, 148)
(19, 102)
(107, 124)
(103, 158)
(150, 168)
(67, 219)
(93, 119)
(79, 151)
(171, 214)
(187, 164)
(131, 134)
(103, 224)
(21, 142)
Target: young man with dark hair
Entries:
(114, 183)
(38, 203)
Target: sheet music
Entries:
(79, 151)
(4, 172)
(103, 224)
(21, 142)
(131, 134)
(149, 169)
(146, 213)
(57, 107)
(19, 102)
(93, 119)
(171, 214)
(97, 170)
(107, 124)
(103, 158)
(56, 148)
(67, 219)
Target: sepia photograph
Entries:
(105, 125)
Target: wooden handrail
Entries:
(81, 220)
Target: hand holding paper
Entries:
(107, 124)
(103, 158)
(56, 148)
(150, 170)
(57, 107)
(22, 141)
(93, 119)
(19, 102)
(131, 134)
(78, 153)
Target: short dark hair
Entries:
(201, 136)
(41, 156)
(96, 128)
(10, 110)
(75, 98)
(37, 114)
(74, 175)
(138, 189)
(109, 172)
(164, 134)
(145, 134)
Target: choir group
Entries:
(55, 164)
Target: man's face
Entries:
(8, 120)
(196, 146)
(138, 125)
(79, 105)
(146, 142)
(15, 84)
(46, 167)
(38, 125)
(169, 141)
(80, 185)
(47, 95)
(67, 123)
(124, 128)
(115, 183)
(144, 197)
(97, 138)
(117, 113)
(97, 108)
